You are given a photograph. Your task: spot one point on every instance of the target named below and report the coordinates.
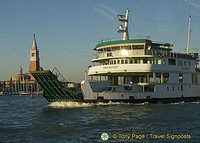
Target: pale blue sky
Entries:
(68, 30)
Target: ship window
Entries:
(158, 77)
(181, 87)
(109, 54)
(138, 47)
(189, 63)
(149, 88)
(194, 79)
(115, 48)
(156, 61)
(108, 49)
(126, 47)
(144, 61)
(173, 88)
(126, 61)
(172, 61)
(150, 61)
(167, 88)
(165, 77)
(118, 61)
(122, 61)
(33, 54)
(114, 61)
(184, 63)
(135, 61)
(131, 61)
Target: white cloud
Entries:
(193, 4)
(107, 11)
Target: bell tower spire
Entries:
(34, 57)
(20, 70)
(34, 45)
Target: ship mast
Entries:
(124, 19)
(189, 32)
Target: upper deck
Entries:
(135, 48)
(132, 54)
(105, 44)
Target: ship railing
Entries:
(59, 76)
(176, 55)
(120, 38)
(156, 54)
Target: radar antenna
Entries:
(124, 30)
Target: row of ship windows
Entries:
(150, 88)
(126, 61)
(179, 63)
(173, 88)
(146, 61)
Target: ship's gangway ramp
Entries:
(53, 89)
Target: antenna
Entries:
(124, 30)
(189, 32)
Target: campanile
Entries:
(34, 57)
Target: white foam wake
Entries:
(64, 104)
(194, 102)
(183, 102)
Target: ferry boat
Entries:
(139, 70)
(131, 70)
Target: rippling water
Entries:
(24, 119)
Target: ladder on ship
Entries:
(53, 88)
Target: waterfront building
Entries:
(24, 82)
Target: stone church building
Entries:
(24, 83)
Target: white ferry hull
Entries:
(162, 95)
(153, 100)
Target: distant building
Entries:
(24, 82)
(34, 57)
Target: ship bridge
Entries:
(129, 48)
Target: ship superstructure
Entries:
(139, 69)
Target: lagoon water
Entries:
(32, 120)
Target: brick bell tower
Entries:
(34, 57)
